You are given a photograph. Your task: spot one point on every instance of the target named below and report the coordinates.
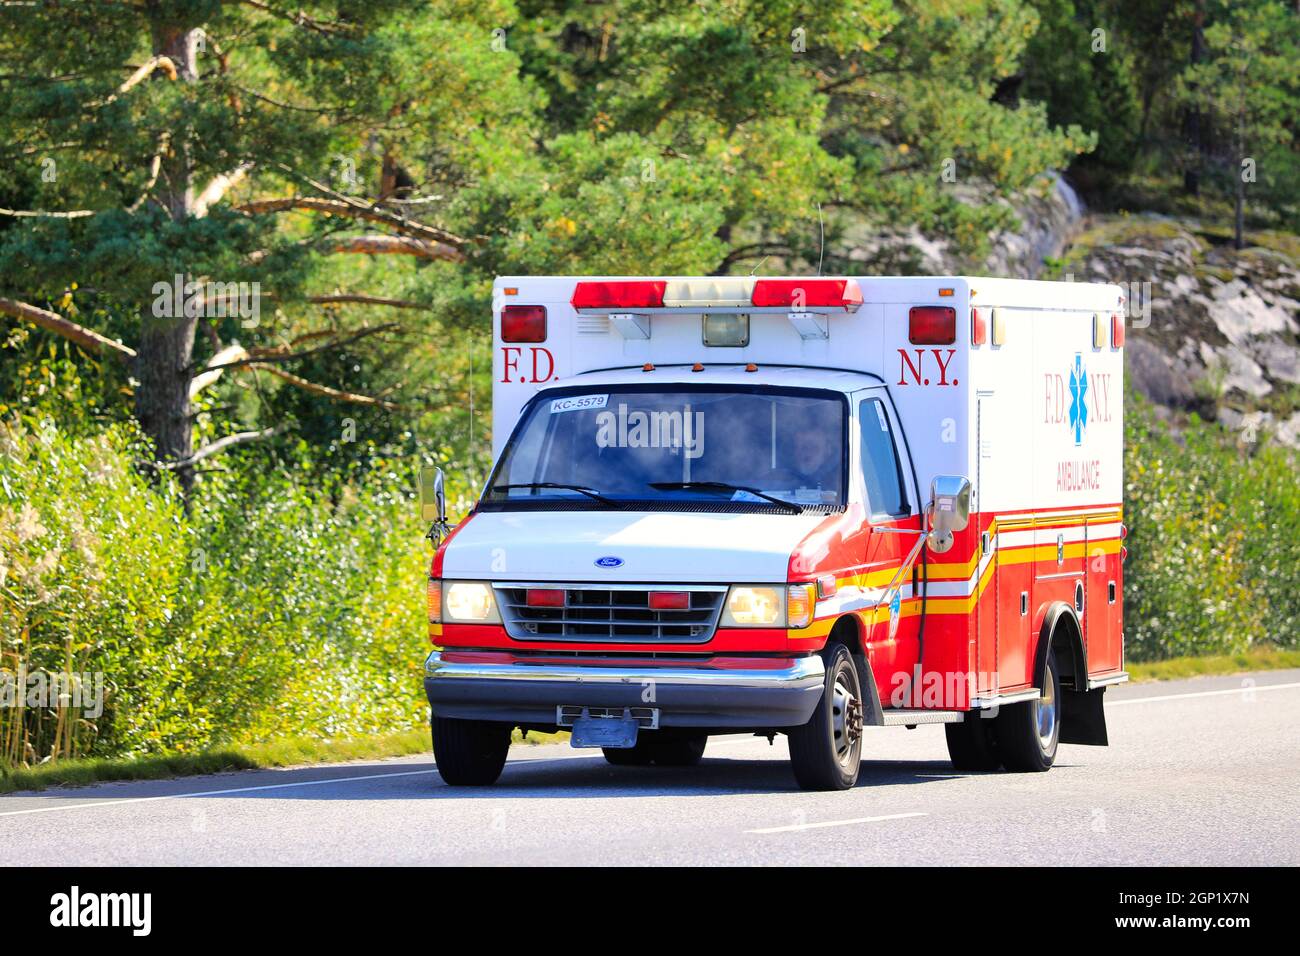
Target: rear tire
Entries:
(469, 753)
(651, 748)
(973, 744)
(680, 751)
(642, 755)
(826, 752)
(1029, 732)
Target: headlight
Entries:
(469, 602)
(751, 606)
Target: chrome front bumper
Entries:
(528, 693)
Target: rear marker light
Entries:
(751, 367)
(1098, 331)
(1117, 331)
(523, 323)
(932, 325)
(670, 600)
(545, 597)
(945, 293)
(647, 367)
(998, 330)
(979, 329)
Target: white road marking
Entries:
(285, 786)
(1250, 689)
(269, 786)
(795, 827)
(519, 763)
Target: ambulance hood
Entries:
(626, 546)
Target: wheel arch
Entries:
(1062, 632)
(1083, 719)
(848, 630)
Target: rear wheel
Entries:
(1028, 733)
(469, 753)
(642, 755)
(680, 751)
(826, 752)
(973, 743)
(652, 748)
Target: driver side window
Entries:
(881, 469)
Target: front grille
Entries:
(604, 614)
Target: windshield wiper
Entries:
(790, 506)
(591, 493)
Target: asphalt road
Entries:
(1199, 771)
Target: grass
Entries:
(296, 751)
(1255, 659)
(290, 752)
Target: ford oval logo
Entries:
(609, 561)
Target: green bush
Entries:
(269, 609)
(1214, 541)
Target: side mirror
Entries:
(433, 502)
(949, 510)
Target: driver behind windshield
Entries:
(815, 460)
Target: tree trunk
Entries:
(1192, 125)
(163, 363)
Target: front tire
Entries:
(469, 753)
(826, 752)
(1029, 732)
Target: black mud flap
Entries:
(1083, 721)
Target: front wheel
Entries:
(469, 753)
(826, 752)
(1029, 732)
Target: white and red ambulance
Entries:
(798, 506)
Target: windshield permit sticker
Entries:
(748, 496)
(578, 403)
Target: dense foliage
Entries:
(1214, 540)
(372, 164)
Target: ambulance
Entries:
(787, 506)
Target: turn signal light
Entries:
(433, 598)
(799, 605)
(1117, 331)
(979, 329)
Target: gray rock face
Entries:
(1213, 330)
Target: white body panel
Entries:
(655, 547)
(999, 415)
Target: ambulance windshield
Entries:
(714, 447)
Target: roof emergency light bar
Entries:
(629, 302)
